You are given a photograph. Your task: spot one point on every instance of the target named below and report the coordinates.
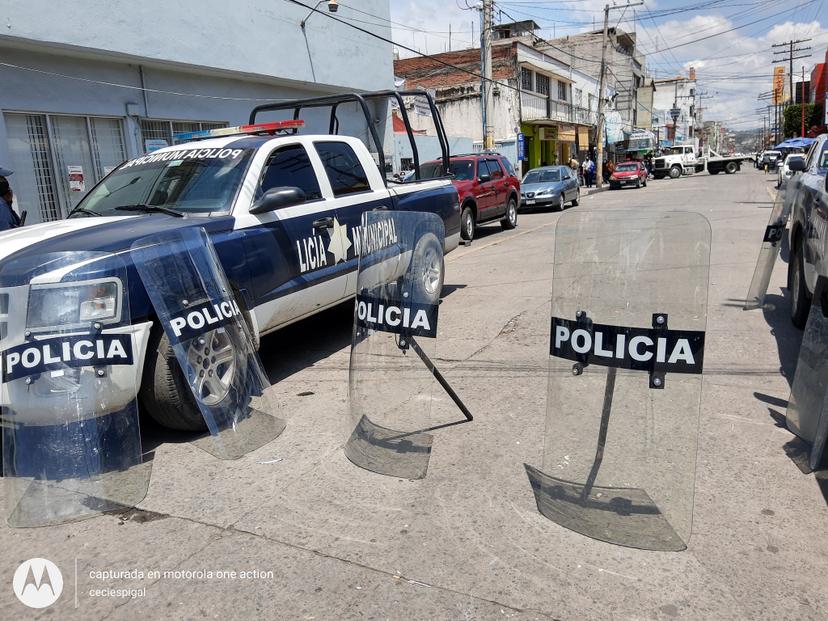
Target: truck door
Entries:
(289, 250)
(486, 194)
(355, 186)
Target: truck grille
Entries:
(659, 163)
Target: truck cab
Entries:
(675, 161)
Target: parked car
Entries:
(284, 213)
(550, 186)
(808, 193)
(784, 172)
(488, 188)
(628, 173)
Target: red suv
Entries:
(628, 173)
(488, 188)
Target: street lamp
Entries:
(333, 7)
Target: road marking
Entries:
(451, 259)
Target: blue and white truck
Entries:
(283, 210)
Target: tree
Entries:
(793, 118)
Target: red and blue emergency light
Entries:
(257, 129)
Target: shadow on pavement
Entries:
(788, 338)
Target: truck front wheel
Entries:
(675, 172)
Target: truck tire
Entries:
(467, 223)
(577, 198)
(713, 171)
(800, 302)
(658, 175)
(428, 264)
(675, 172)
(731, 167)
(164, 393)
(509, 221)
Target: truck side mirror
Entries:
(275, 198)
(796, 165)
(484, 178)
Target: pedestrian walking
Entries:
(8, 218)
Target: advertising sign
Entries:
(778, 84)
(566, 133)
(521, 147)
(153, 144)
(76, 183)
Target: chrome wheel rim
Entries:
(796, 286)
(212, 360)
(561, 203)
(512, 213)
(468, 225)
(432, 269)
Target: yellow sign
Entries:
(583, 137)
(778, 85)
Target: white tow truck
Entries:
(682, 160)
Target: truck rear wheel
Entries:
(675, 172)
(467, 223)
(731, 167)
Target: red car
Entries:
(628, 173)
(488, 188)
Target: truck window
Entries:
(343, 168)
(510, 170)
(290, 166)
(494, 169)
(483, 169)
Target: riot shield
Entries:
(208, 333)
(807, 413)
(392, 374)
(71, 364)
(629, 308)
(768, 253)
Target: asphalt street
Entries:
(323, 539)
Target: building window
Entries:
(47, 149)
(562, 91)
(542, 84)
(526, 81)
(578, 96)
(157, 130)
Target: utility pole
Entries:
(599, 131)
(802, 103)
(788, 52)
(487, 99)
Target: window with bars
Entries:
(562, 89)
(542, 84)
(157, 130)
(526, 79)
(45, 147)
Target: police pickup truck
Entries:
(808, 196)
(282, 209)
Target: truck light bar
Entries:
(258, 128)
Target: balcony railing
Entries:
(538, 107)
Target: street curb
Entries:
(596, 190)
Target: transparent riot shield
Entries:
(71, 363)
(392, 374)
(629, 308)
(768, 253)
(807, 413)
(207, 330)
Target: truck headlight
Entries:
(65, 305)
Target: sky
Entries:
(727, 41)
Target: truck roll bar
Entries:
(362, 99)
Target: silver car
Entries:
(550, 186)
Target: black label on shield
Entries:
(195, 320)
(640, 349)
(67, 351)
(773, 233)
(410, 319)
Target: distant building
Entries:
(625, 69)
(674, 110)
(540, 96)
(88, 84)
(819, 81)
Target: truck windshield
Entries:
(186, 181)
(461, 170)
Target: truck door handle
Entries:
(323, 223)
